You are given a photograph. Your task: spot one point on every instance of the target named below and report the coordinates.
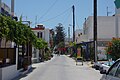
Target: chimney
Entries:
(40, 26)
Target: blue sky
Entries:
(52, 12)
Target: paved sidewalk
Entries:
(34, 66)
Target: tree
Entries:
(113, 48)
(3, 27)
(15, 31)
(18, 33)
(60, 34)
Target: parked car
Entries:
(98, 65)
(113, 73)
(106, 65)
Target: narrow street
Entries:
(61, 68)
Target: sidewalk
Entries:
(33, 67)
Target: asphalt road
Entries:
(61, 68)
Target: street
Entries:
(61, 68)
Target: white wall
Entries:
(88, 27)
(35, 59)
(5, 7)
(82, 38)
(0, 73)
(45, 33)
(46, 37)
(105, 27)
(118, 26)
(9, 72)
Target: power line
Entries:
(67, 17)
(48, 10)
(77, 23)
(45, 13)
(56, 16)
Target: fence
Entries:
(7, 56)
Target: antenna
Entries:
(108, 11)
(35, 21)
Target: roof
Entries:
(37, 28)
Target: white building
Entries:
(79, 36)
(106, 30)
(5, 9)
(41, 32)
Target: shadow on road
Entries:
(24, 74)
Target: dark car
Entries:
(113, 73)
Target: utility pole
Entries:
(95, 30)
(12, 7)
(73, 23)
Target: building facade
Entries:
(5, 9)
(41, 32)
(106, 30)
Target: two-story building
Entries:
(41, 32)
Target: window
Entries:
(7, 56)
(118, 72)
(40, 34)
(113, 69)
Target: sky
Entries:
(51, 12)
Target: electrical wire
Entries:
(56, 16)
(47, 10)
(77, 24)
(67, 17)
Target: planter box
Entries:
(9, 72)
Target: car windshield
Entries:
(109, 63)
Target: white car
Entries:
(106, 65)
(113, 73)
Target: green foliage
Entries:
(73, 44)
(113, 48)
(40, 43)
(61, 45)
(18, 32)
(60, 36)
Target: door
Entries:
(112, 71)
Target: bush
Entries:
(113, 48)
